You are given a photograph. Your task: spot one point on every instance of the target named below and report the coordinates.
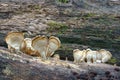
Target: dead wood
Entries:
(16, 66)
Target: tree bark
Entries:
(24, 67)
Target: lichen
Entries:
(7, 71)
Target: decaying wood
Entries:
(16, 66)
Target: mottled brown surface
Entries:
(21, 66)
(84, 31)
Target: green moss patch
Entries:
(57, 26)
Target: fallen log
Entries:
(19, 66)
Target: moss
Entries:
(63, 1)
(57, 26)
(112, 61)
(54, 24)
(34, 7)
(86, 15)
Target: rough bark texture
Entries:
(33, 19)
(106, 6)
(24, 67)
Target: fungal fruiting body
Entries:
(14, 40)
(79, 55)
(40, 44)
(106, 55)
(53, 44)
(27, 48)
